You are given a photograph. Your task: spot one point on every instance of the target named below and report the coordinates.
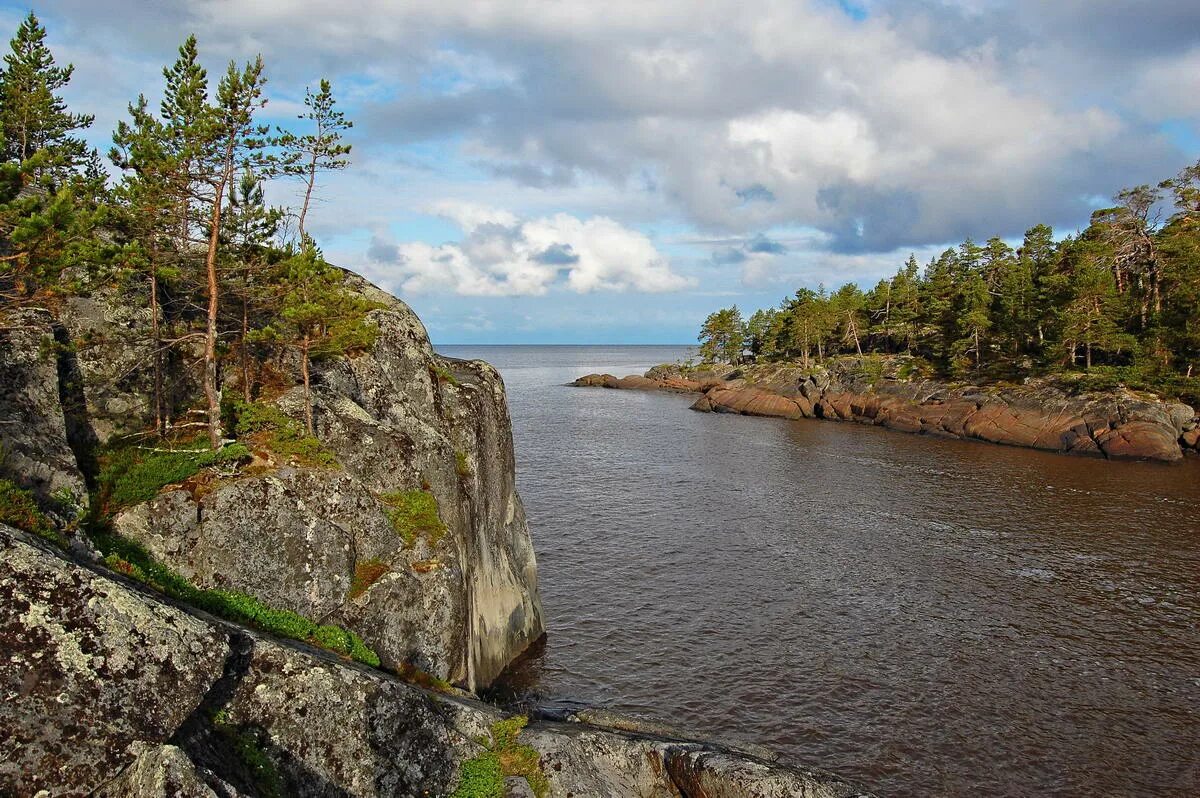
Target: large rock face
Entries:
(108, 691)
(1118, 425)
(399, 418)
(89, 668)
(35, 405)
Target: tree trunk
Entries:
(308, 413)
(312, 179)
(158, 397)
(245, 354)
(211, 390)
(977, 353)
(1088, 350)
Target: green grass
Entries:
(276, 431)
(413, 513)
(18, 508)
(132, 560)
(483, 776)
(132, 475)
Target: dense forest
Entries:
(1117, 303)
(184, 232)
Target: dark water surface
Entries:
(925, 617)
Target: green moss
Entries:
(483, 776)
(442, 374)
(18, 508)
(480, 777)
(461, 466)
(366, 574)
(412, 513)
(246, 746)
(276, 431)
(134, 561)
(131, 475)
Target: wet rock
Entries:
(597, 381)
(89, 668)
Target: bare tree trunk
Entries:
(212, 391)
(312, 179)
(158, 388)
(245, 354)
(977, 353)
(308, 413)
(1088, 350)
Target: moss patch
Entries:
(461, 466)
(18, 508)
(132, 474)
(441, 374)
(414, 513)
(132, 560)
(267, 426)
(246, 746)
(366, 574)
(483, 776)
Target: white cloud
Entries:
(502, 255)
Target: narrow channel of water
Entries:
(926, 617)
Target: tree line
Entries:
(184, 230)
(1122, 296)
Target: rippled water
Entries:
(925, 617)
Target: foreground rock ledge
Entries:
(109, 690)
(1118, 425)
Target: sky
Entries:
(574, 171)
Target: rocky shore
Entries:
(1038, 415)
(395, 537)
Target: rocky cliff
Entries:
(110, 691)
(1038, 415)
(396, 423)
(394, 537)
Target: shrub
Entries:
(275, 431)
(131, 559)
(412, 513)
(132, 475)
(18, 508)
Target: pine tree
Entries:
(322, 150)
(1089, 318)
(722, 336)
(147, 194)
(249, 226)
(849, 306)
(33, 116)
(323, 318)
(187, 118)
(231, 140)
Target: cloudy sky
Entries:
(580, 171)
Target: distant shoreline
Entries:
(1115, 425)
